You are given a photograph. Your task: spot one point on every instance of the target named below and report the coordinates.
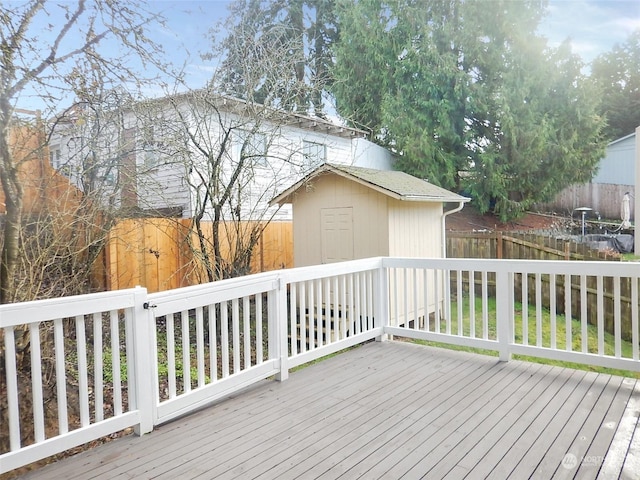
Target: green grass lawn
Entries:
(544, 330)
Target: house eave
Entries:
(621, 139)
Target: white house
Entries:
(605, 192)
(618, 165)
(180, 155)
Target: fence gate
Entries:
(211, 341)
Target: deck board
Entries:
(391, 410)
(531, 417)
(560, 429)
(438, 432)
(375, 421)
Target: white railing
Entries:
(583, 312)
(130, 359)
(93, 342)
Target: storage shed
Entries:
(345, 213)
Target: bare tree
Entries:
(62, 241)
(231, 169)
(238, 153)
(52, 228)
(42, 46)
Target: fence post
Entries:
(381, 307)
(143, 362)
(278, 340)
(504, 307)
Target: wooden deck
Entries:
(393, 410)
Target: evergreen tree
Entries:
(618, 74)
(303, 28)
(466, 86)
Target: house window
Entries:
(151, 156)
(252, 147)
(151, 147)
(54, 158)
(314, 153)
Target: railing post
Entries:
(278, 341)
(143, 362)
(381, 307)
(446, 285)
(504, 307)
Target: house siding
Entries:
(615, 176)
(369, 155)
(167, 184)
(164, 186)
(618, 165)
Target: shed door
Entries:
(337, 234)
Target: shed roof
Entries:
(398, 185)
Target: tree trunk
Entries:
(13, 192)
(10, 248)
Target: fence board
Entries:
(520, 246)
(530, 247)
(154, 252)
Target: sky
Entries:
(594, 27)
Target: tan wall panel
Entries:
(415, 229)
(331, 191)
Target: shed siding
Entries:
(330, 191)
(415, 229)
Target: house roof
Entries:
(240, 107)
(244, 107)
(622, 139)
(398, 185)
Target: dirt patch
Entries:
(469, 220)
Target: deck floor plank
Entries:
(523, 432)
(591, 459)
(440, 423)
(497, 422)
(592, 424)
(545, 451)
(552, 461)
(631, 465)
(397, 388)
(372, 412)
(387, 410)
(312, 416)
(264, 408)
(389, 435)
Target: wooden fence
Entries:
(522, 246)
(154, 253)
(584, 289)
(604, 198)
